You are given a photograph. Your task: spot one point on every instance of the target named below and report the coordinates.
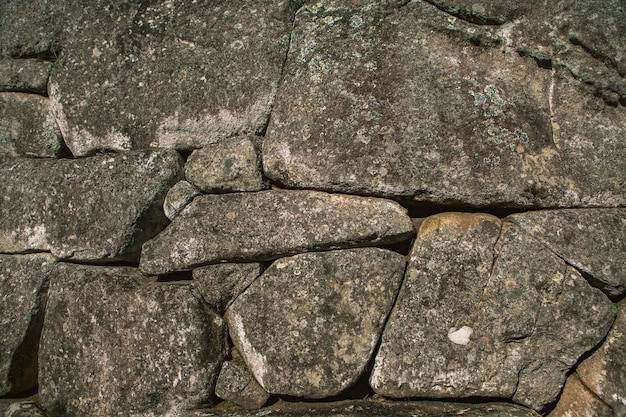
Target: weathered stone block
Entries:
(227, 166)
(379, 409)
(116, 343)
(220, 284)
(100, 208)
(577, 401)
(486, 311)
(178, 197)
(604, 372)
(23, 291)
(309, 324)
(592, 240)
(416, 103)
(173, 75)
(24, 75)
(239, 387)
(27, 126)
(269, 224)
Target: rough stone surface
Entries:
(604, 372)
(577, 401)
(169, 74)
(24, 75)
(379, 409)
(270, 224)
(227, 166)
(99, 208)
(27, 126)
(486, 311)
(178, 197)
(23, 289)
(23, 409)
(485, 12)
(116, 343)
(309, 324)
(236, 385)
(35, 28)
(413, 102)
(591, 240)
(220, 284)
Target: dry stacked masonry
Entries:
(209, 207)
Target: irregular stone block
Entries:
(178, 197)
(100, 208)
(309, 324)
(604, 372)
(577, 401)
(220, 284)
(486, 311)
(237, 386)
(415, 103)
(23, 289)
(24, 75)
(27, 127)
(592, 240)
(36, 28)
(116, 343)
(227, 166)
(198, 72)
(269, 224)
(379, 409)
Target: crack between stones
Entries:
(460, 16)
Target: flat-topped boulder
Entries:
(98, 208)
(486, 311)
(309, 324)
(244, 227)
(116, 343)
(170, 75)
(414, 102)
(591, 240)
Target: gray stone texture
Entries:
(23, 409)
(591, 240)
(116, 343)
(245, 227)
(378, 409)
(178, 197)
(27, 127)
(486, 311)
(24, 75)
(220, 284)
(413, 102)
(577, 401)
(308, 326)
(23, 290)
(100, 208)
(227, 166)
(237, 385)
(169, 74)
(604, 372)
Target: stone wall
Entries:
(313, 208)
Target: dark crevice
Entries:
(545, 63)
(423, 209)
(185, 153)
(403, 247)
(102, 262)
(176, 276)
(468, 17)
